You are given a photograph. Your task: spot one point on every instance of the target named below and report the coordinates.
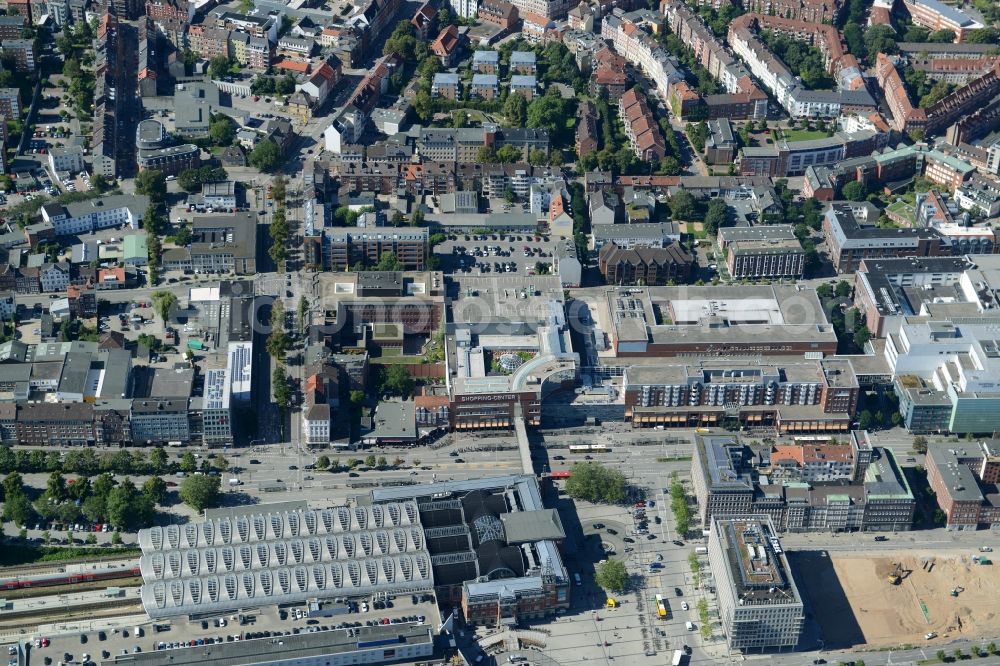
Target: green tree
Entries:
(611, 575)
(127, 509)
(397, 381)
(941, 37)
(509, 154)
(486, 155)
(18, 509)
(303, 313)
(715, 216)
(388, 262)
(265, 156)
(855, 39)
(158, 459)
(94, 508)
(281, 388)
(880, 39)
(843, 289)
(188, 463)
(323, 462)
(155, 488)
(370, 460)
(382, 463)
(515, 109)
(866, 420)
(278, 344)
(357, 397)
(163, 303)
(547, 112)
(55, 488)
(222, 130)
(854, 191)
(682, 205)
(423, 105)
(861, 337)
(153, 184)
(679, 506)
(116, 538)
(200, 492)
(991, 648)
(13, 484)
(594, 482)
(218, 66)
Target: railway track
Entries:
(56, 567)
(82, 586)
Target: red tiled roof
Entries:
(292, 65)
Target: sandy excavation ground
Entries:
(872, 611)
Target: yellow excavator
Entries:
(895, 576)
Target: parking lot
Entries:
(480, 254)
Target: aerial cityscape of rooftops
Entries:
(499, 332)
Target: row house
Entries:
(628, 33)
(641, 128)
(160, 10)
(608, 73)
(492, 180)
(708, 51)
(367, 177)
(429, 178)
(814, 11)
(209, 42)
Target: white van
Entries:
(689, 626)
(138, 632)
(235, 482)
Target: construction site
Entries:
(902, 599)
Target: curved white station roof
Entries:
(281, 556)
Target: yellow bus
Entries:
(661, 607)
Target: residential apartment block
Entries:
(851, 231)
(762, 252)
(645, 265)
(343, 248)
(93, 214)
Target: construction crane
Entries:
(895, 577)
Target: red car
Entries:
(640, 505)
(171, 484)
